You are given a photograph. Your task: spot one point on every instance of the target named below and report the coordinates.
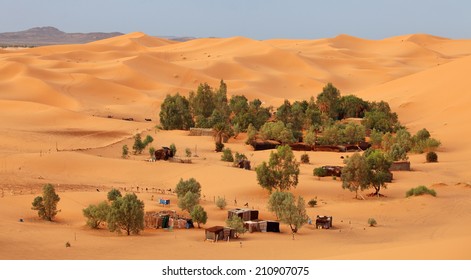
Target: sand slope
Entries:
(62, 123)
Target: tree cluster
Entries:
(188, 194)
(119, 213)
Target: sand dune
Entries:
(62, 123)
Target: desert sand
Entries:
(62, 123)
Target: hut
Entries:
(323, 222)
(400, 166)
(252, 226)
(215, 233)
(245, 214)
(269, 226)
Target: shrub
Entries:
(305, 158)
(420, 190)
(173, 148)
(432, 157)
(46, 205)
(221, 202)
(152, 152)
(319, 172)
(312, 202)
(188, 152)
(227, 155)
(372, 222)
(219, 146)
(125, 152)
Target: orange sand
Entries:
(62, 110)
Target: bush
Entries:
(173, 148)
(319, 172)
(432, 157)
(420, 190)
(221, 203)
(188, 152)
(227, 155)
(305, 158)
(46, 205)
(152, 152)
(312, 202)
(219, 146)
(372, 222)
(125, 152)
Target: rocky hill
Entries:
(40, 36)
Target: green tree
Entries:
(139, 145)
(114, 194)
(236, 223)
(311, 136)
(126, 213)
(355, 174)
(328, 101)
(351, 106)
(46, 205)
(251, 134)
(381, 118)
(379, 174)
(188, 201)
(281, 172)
(354, 133)
(199, 215)
(312, 114)
(175, 113)
(397, 152)
(289, 210)
(376, 137)
(185, 186)
(202, 105)
(96, 214)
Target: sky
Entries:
(256, 19)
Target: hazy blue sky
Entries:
(257, 19)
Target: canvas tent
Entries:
(244, 213)
(218, 233)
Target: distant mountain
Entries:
(40, 36)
